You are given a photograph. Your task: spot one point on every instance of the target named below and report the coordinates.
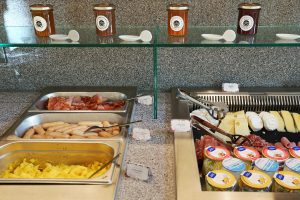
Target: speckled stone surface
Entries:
(158, 153)
(250, 67)
(148, 12)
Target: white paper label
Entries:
(180, 125)
(246, 23)
(102, 23)
(141, 134)
(145, 100)
(40, 24)
(138, 172)
(176, 23)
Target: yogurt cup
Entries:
(247, 154)
(234, 166)
(266, 165)
(295, 152)
(286, 181)
(293, 165)
(220, 180)
(278, 154)
(255, 181)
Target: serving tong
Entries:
(119, 125)
(208, 128)
(113, 160)
(217, 110)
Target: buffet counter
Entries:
(158, 154)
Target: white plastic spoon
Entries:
(228, 36)
(287, 36)
(73, 35)
(145, 36)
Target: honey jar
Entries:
(177, 19)
(105, 19)
(248, 18)
(43, 20)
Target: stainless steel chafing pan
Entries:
(41, 103)
(60, 152)
(20, 127)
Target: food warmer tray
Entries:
(111, 93)
(249, 99)
(60, 152)
(32, 119)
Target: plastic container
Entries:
(255, 181)
(234, 166)
(105, 19)
(278, 154)
(247, 154)
(293, 165)
(248, 18)
(43, 20)
(220, 180)
(213, 157)
(177, 19)
(266, 165)
(295, 152)
(286, 181)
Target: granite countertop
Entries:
(158, 153)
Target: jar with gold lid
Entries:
(248, 18)
(177, 19)
(43, 20)
(105, 19)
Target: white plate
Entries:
(59, 37)
(213, 37)
(287, 36)
(129, 38)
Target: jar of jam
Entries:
(43, 20)
(248, 18)
(177, 19)
(105, 19)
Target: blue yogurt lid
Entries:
(293, 164)
(267, 164)
(234, 164)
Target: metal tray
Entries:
(40, 104)
(19, 128)
(60, 152)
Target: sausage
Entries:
(75, 128)
(285, 142)
(90, 123)
(116, 132)
(66, 128)
(279, 145)
(47, 125)
(77, 132)
(87, 134)
(106, 124)
(94, 137)
(38, 137)
(293, 144)
(39, 130)
(104, 134)
(58, 135)
(55, 128)
(29, 133)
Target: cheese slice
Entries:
(288, 121)
(280, 121)
(297, 121)
(241, 126)
(240, 114)
(227, 124)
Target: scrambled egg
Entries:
(32, 168)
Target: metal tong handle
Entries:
(187, 96)
(105, 165)
(233, 138)
(119, 125)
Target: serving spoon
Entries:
(72, 35)
(228, 35)
(288, 36)
(145, 36)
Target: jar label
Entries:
(40, 24)
(102, 23)
(176, 23)
(246, 23)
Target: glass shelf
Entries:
(266, 37)
(18, 36)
